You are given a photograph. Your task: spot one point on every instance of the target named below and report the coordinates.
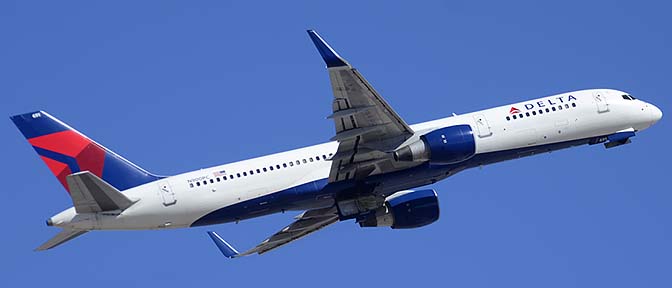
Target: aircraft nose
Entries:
(656, 114)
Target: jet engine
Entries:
(442, 146)
(403, 210)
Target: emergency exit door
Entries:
(482, 126)
(167, 193)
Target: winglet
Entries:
(328, 54)
(226, 249)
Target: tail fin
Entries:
(66, 151)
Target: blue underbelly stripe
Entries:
(318, 194)
(294, 198)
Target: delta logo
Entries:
(548, 102)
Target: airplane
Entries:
(369, 171)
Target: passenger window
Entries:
(298, 162)
(244, 173)
(284, 165)
(541, 111)
(567, 106)
(258, 171)
(191, 185)
(238, 175)
(548, 110)
(527, 114)
(218, 180)
(331, 154)
(514, 116)
(573, 104)
(324, 157)
(553, 108)
(212, 181)
(534, 112)
(291, 164)
(317, 158)
(265, 169)
(198, 183)
(251, 172)
(560, 107)
(508, 118)
(277, 166)
(270, 167)
(224, 178)
(205, 182)
(304, 161)
(311, 159)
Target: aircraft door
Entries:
(167, 193)
(482, 126)
(601, 101)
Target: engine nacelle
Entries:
(405, 209)
(442, 146)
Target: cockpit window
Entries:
(628, 97)
(632, 97)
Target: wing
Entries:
(367, 128)
(306, 223)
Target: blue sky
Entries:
(176, 86)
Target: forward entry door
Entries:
(601, 101)
(482, 126)
(167, 193)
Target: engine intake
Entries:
(443, 146)
(403, 210)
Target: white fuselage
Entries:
(180, 200)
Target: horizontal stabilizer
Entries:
(91, 194)
(60, 238)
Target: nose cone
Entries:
(656, 114)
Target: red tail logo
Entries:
(86, 155)
(514, 110)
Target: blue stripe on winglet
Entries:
(328, 54)
(226, 249)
